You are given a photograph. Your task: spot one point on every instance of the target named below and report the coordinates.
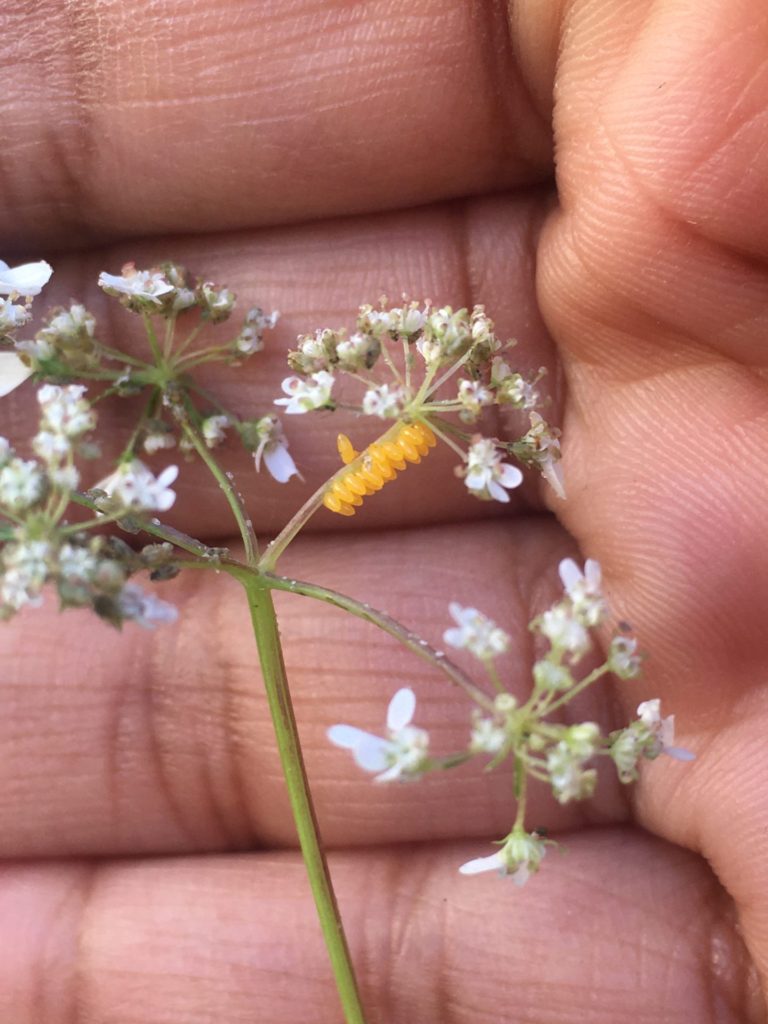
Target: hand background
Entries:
(311, 156)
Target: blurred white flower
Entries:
(475, 632)
(384, 401)
(486, 476)
(136, 487)
(584, 590)
(28, 279)
(306, 395)
(22, 484)
(662, 730)
(273, 448)
(146, 285)
(564, 631)
(144, 609)
(401, 756)
(519, 857)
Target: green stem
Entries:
(312, 504)
(154, 344)
(405, 636)
(156, 529)
(574, 691)
(276, 684)
(521, 787)
(244, 524)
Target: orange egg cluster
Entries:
(380, 463)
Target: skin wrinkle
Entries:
(91, 32)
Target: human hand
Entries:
(312, 157)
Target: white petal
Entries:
(461, 614)
(28, 279)
(680, 753)
(497, 491)
(164, 501)
(372, 753)
(570, 574)
(401, 709)
(509, 476)
(346, 736)
(593, 573)
(167, 476)
(476, 478)
(12, 372)
(278, 461)
(454, 637)
(391, 774)
(474, 867)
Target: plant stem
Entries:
(244, 524)
(406, 637)
(312, 504)
(267, 637)
(593, 676)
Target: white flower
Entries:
(51, 447)
(214, 429)
(273, 447)
(566, 763)
(486, 475)
(564, 631)
(519, 857)
(25, 570)
(64, 409)
(623, 659)
(70, 323)
(473, 397)
(12, 316)
(251, 338)
(584, 589)
(662, 730)
(76, 563)
(551, 675)
(544, 452)
(475, 632)
(407, 321)
(22, 484)
(358, 352)
(216, 302)
(401, 756)
(158, 440)
(135, 486)
(306, 395)
(384, 402)
(12, 372)
(28, 279)
(147, 286)
(144, 609)
(487, 736)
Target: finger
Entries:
(235, 938)
(161, 741)
(305, 111)
(649, 281)
(318, 276)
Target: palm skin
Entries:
(139, 772)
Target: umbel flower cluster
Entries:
(177, 316)
(423, 367)
(428, 374)
(504, 729)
